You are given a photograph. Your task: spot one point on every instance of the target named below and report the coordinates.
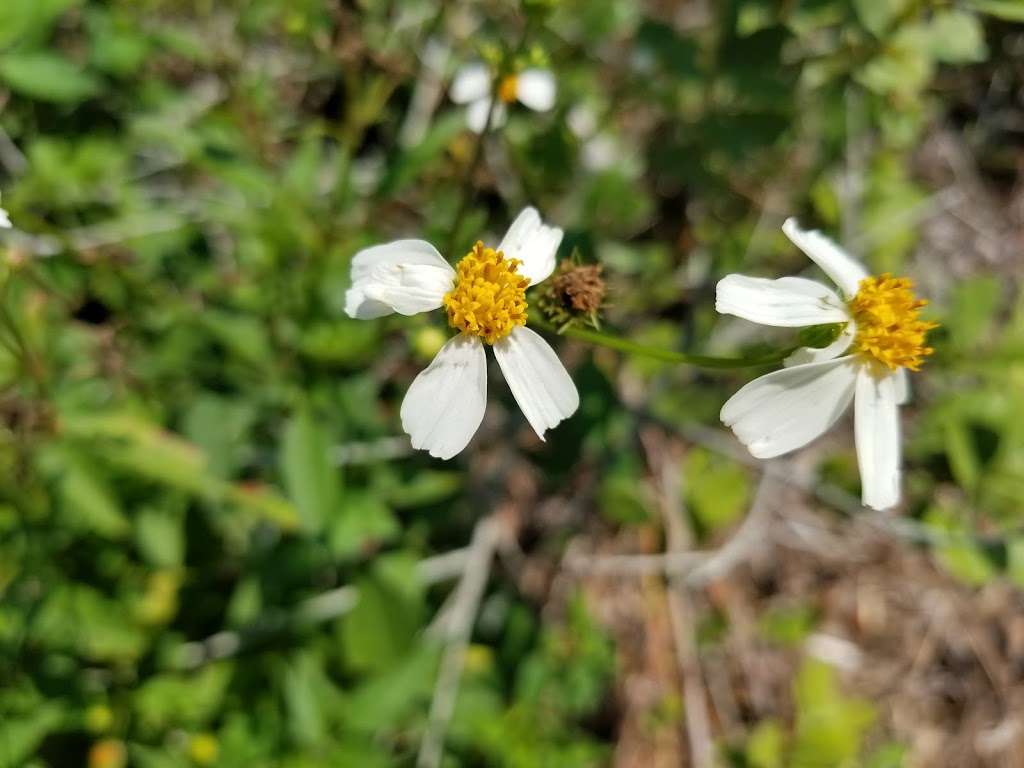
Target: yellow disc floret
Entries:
(489, 298)
(889, 328)
(508, 89)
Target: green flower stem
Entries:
(665, 355)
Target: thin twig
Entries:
(468, 190)
(667, 563)
(750, 535)
(104, 234)
(427, 92)
(459, 628)
(668, 483)
(852, 188)
(372, 451)
(11, 157)
(697, 568)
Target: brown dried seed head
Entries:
(580, 286)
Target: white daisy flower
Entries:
(485, 299)
(599, 150)
(882, 337)
(535, 88)
(5, 220)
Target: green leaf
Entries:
(160, 537)
(410, 163)
(81, 619)
(182, 699)
(244, 335)
(622, 498)
(47, 77)
(878, 15)
(394, 694)
(957, 37)
(830, 728)
(1009, 10)
(820, 336)
(310, 477)
(428, 487)
(1015, 560)
(364, 520)
(960, 451)
(765, 745)
(717, 489)
(904, 67)
(133, 444)
(20, 735)
(220, 427)
(888, 756)
(787, 626)
(974, 306)
(382, 627)
(963, 558)
(26, 21)
(89, 502)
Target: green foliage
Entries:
(717, 489)
(197, 443)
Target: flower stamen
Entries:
(889, 329)
(508, 89)
(489, 297)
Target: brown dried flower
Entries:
(576, 290)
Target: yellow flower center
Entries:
(889, 329)
(508, 88)
(489, 298)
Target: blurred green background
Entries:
(216, 548)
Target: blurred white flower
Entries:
(601, 148)
(598, 149)
(881, 338)
(535, 88)
(5, 220)
(485, 299)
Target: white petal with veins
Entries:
(791, 302)
(537, 378)
(404, 276)
(786, 409)
(445, 404)
(877, 428)
(533, 243)
(844, 270)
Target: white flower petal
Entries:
(877, 427)
(787, 409)
(844, 270)
(806, 355)
(537, 378)
(394, 253)
(533, 243)
(471, 83)
(600, 152)
(476, 115)
(536, 89)
(405, 276)
(445, 404)
(790, 302)
(902, 386)
(5, 221)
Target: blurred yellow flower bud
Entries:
(428, 342)
(98, 718)
(204, 749)
(109, 753)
